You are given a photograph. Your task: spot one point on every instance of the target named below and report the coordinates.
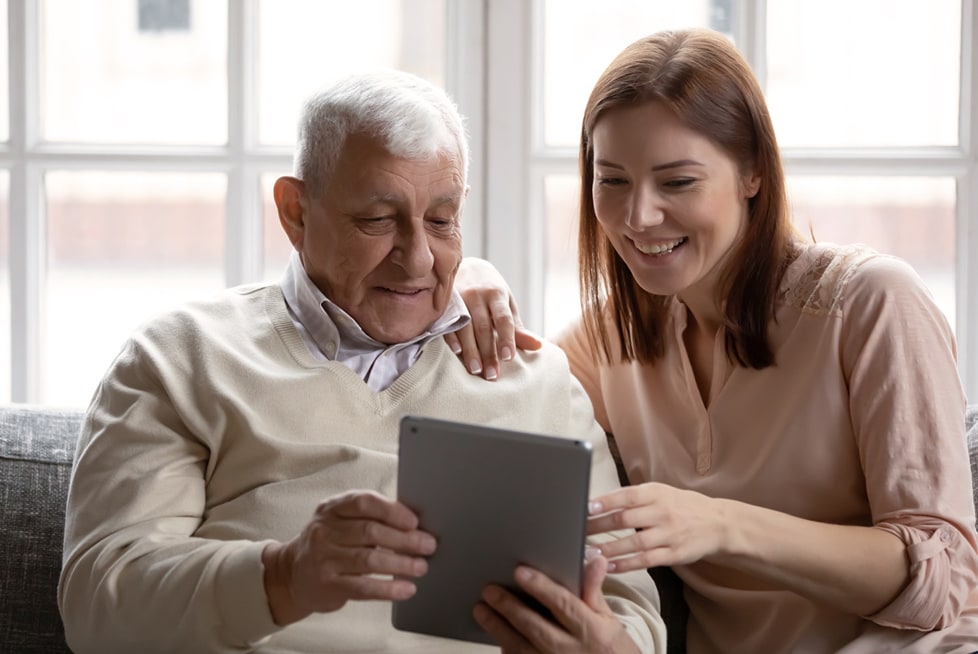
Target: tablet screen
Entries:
(493, 498)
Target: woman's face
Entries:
(671, 202)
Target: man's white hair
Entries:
(412, 117)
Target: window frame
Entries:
(519, 161)
(493, 68)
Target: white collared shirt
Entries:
(331, 334)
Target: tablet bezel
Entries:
(494, 498)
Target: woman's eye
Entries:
(680, 183)
(610, 181)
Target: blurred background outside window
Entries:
(139, 141)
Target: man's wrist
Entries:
(277, 581)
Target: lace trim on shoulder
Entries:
(816, 281)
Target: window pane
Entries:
(106, 79)
(912, 218)
(5, 361)
(305, 45)
(561, 299)
(122, 246)
(867, 73)
(4, 75)
(277, 246)
(571, 64)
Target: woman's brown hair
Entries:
(700, 75)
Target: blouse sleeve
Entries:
(907, 408)
(583, 364)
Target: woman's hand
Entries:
(675, 526)
(496, 329)
(856, 569)
(584, 624)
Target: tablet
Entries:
(493, 498)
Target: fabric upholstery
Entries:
(36, 449)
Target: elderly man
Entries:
(196, 518)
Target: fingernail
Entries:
(475, 367)
(611, 566)
(594, 507)
(523, 574)
(456, 348)
(506, 354)
(490, 373)
(591, 553)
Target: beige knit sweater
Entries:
(215, 430)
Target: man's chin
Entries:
(401, 333)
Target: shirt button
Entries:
(330, 348)
(945, 537)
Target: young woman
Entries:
(789, 415)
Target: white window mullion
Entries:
(465, 77)
(243, 256)
(510, 218)
(27, 234)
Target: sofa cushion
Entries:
(36, 449)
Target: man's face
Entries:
(382, 240)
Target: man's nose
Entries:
(412, 251)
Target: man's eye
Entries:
(441, 224)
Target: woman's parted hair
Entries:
(413, 118)
(702, 77)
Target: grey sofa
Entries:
(36, 449)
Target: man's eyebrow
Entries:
(454, 199)
(679, 163)
(451, 198)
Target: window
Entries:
(876, 136)
(139, 141)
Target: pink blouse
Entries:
(860, 422)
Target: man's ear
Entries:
(290, 198)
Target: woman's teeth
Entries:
(658, 249)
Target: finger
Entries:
(621, 498)
(499, 629)
(504, 324)
(485, 340)
(369, 533)
(595, 572)
(531, 627)
(451, 339)
(566, 607)
(343, 562)
(527, 340)
(371, 588)
(469, 349)
(368, 505)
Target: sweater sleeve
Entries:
(907, 408)
(134, 577)
(632, 595)
(573, 341)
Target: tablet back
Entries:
(493, 499)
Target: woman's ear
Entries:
(290, 198)
(752, 184)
